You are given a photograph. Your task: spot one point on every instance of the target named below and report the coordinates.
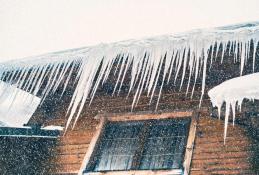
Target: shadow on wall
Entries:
(25, 156)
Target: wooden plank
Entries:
(229, 166)
(65, 169)
(76, 139)
(190, 144)
(69, 159)
(139, 172)
(71, 149)
(92, 145)
(220, 139)
(238, 154)
(197, 163)
(235, 148)
(136, 116)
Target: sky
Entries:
(33, 27)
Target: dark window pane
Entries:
(165, 144)
(118, 145)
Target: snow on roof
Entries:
(233, 92)
(182, 53)
(53, 127)
(16, 106)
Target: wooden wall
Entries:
(210, 155)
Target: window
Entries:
(141, 145)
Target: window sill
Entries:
(138, 172)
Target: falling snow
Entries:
(184, 54)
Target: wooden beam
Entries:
(143, 116)
(190, 144)
(92, 144)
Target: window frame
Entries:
(104, 118)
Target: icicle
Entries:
(156, 80)
(235, 52)
(100, 77)
(108, 70)
(203, 78)
(223, 52)
(22, 78)
(233, 105)
(219, 111)
(254, 52)
(230, 47)
(179, 63)
(211, 56)
(44, 74)
(117, 66)
(51, 80)
(191, 62)
(142, 81)
(171, 66)
(65, 66)
(125, 71)
(197, 63)
(35, 79)
(119, 75)
(242, 58)
(217, 49)
(248, 51)
(184, 66)
(68, 77)
(135, 71)
(33, 74)
(155, 71)
(163, 79)
(40, 81)
(138, 91)
(226, 121)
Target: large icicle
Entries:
(185, 53)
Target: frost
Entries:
(233, 92)
(181, 53)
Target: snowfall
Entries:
(145, 58)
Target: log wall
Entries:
(210, 155)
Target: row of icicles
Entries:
(187, 61)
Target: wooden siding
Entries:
(210, 155)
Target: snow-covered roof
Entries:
(233, 92)
(16, 106)
(181, 53)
